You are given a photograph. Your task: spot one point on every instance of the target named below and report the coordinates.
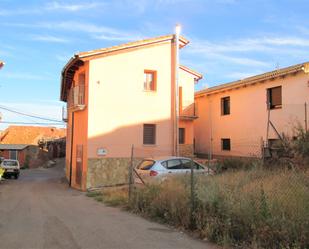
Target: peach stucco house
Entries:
(123, 96)
(233, 117)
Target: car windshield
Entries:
(10, 163)
(145, 165)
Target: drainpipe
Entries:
(71, 152)
(177, 34)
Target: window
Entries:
(149, 136)
(273, 143)
(186, 164)
(150, 80)
(13, 154)
(225, 106)
(181, 135)
(274, 97)
(146, 165)
(226, 144)
(174, 164)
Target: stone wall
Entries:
(108, 171)
(186, 150)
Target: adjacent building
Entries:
(244, 117)
(120, 97)
(22, 143)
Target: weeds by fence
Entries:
(249, 203)
(255, 208)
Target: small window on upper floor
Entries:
(150, 80)
(274, 97)
(225, 106)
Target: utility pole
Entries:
(177, 34)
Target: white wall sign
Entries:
(101, 152)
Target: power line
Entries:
(29, 115)
(28, 123)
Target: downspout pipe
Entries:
(177, 36)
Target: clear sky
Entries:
(229, 40)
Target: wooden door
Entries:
(79, 164)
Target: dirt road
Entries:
(40, 211)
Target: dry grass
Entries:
(250, 209)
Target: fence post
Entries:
(192, 199)
(131, 173)
(306, 128)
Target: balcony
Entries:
(187, 111)
(76, 98)
(64, 114)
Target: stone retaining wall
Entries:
(108, 171)
(186, 150)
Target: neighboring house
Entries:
(123, 96)
(242, 117)
(24, 153)
(21, 143)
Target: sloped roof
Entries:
(191, 71)
(13, 146)
(29, 135)
(183, 42)
(256, 79)
(78, 59)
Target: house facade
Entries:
(123, 96)
(243, 117)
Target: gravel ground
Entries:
(39, 210)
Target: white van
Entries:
(11, 168)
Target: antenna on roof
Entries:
(277, 65)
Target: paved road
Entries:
(40, 211)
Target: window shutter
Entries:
(149, 134)
(276, 96)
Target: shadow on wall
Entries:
(112, 168)
(150, 139)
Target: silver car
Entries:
(159, 168)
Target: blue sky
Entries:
(229, 40)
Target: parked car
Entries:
(11, 168)
(160, 168)
(1, 173)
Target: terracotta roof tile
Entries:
(255, 79)
(29, 134)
